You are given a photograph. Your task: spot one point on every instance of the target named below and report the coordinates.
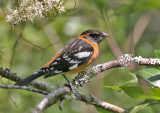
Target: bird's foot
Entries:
(72, 87)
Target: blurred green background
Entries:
(133, 27)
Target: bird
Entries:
(73, 58)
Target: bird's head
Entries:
(94, 35)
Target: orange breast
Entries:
(94, 56)
(95, 49)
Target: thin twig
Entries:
(14, 77)
(14, 48)
(61, 103)
(23, 88)
(32, 43)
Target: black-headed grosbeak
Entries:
(73, 58)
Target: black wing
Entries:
(73, 55)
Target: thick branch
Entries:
(82, 78)
(104, 105)
(50, 99)
(56, 95)
(123, 61)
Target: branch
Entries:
(51, 99)
(123, 61)
(27, 41)
(56, 95)
(104, 105)
(14, 77)
(14, 48)
(23, 88)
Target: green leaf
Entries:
(134, 81)
(131, 82)
(139, 107)
(144, 82)
(157, 53)
(113, 87)
(148, 72)
(142, 92)
(133, 75)
(155, 78)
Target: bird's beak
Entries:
(104, 35)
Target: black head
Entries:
(94, 35)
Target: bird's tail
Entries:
(30, 78)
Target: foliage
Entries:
(145, 87)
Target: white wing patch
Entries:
(65, 56)
(47, 70)
(37, 72)
(73, 67)
(58, 59)
(57, 71)
(82, 54)
(51, 68)
(44, 70)
(74, 61)
(54, 63)
(68, 59)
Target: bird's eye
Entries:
(93, 35)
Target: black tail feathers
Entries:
(28, 79)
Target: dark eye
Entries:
(93, 35)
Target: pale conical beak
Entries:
(105, 35)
